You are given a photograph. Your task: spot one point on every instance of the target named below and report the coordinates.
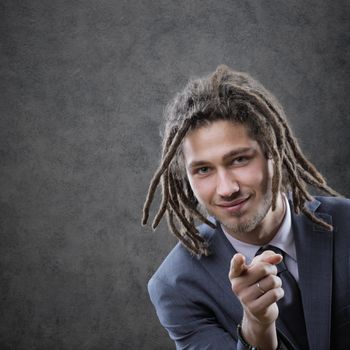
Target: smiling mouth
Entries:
(234, 205)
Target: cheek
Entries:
(201, 189)
(254, 177)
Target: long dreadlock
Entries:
(234, 96)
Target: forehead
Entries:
(215, 140)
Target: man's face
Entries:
(230, 177)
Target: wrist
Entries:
(259, 336)
(243, 340)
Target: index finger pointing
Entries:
(268, 256)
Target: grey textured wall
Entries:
(83, 85)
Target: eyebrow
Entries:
(233, 153)
(238, 151)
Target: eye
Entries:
(240, 160)
(203, 170)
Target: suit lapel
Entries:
(314, 247)
(218, 266)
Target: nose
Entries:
(226, 184)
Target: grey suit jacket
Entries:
(194, 301)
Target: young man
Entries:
(269, 267)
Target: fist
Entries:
(257, 286)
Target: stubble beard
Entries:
(250, 223)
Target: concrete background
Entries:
(83, 85)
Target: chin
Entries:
(243, 225)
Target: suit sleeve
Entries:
(191, 325)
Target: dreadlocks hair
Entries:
(233, 96)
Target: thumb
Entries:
(238, 265)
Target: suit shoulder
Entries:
(335, 210)
(180, 262)
(333, 204)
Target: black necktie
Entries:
(290, 306)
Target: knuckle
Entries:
(254, 308)
(281, 293)
(275, 294)
(265, 269)
(244, 299)
(275, 281)
(269, 280)
(268, 269)
(278, 281)
(273, 270)
(235, 286)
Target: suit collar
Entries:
(217, 265)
